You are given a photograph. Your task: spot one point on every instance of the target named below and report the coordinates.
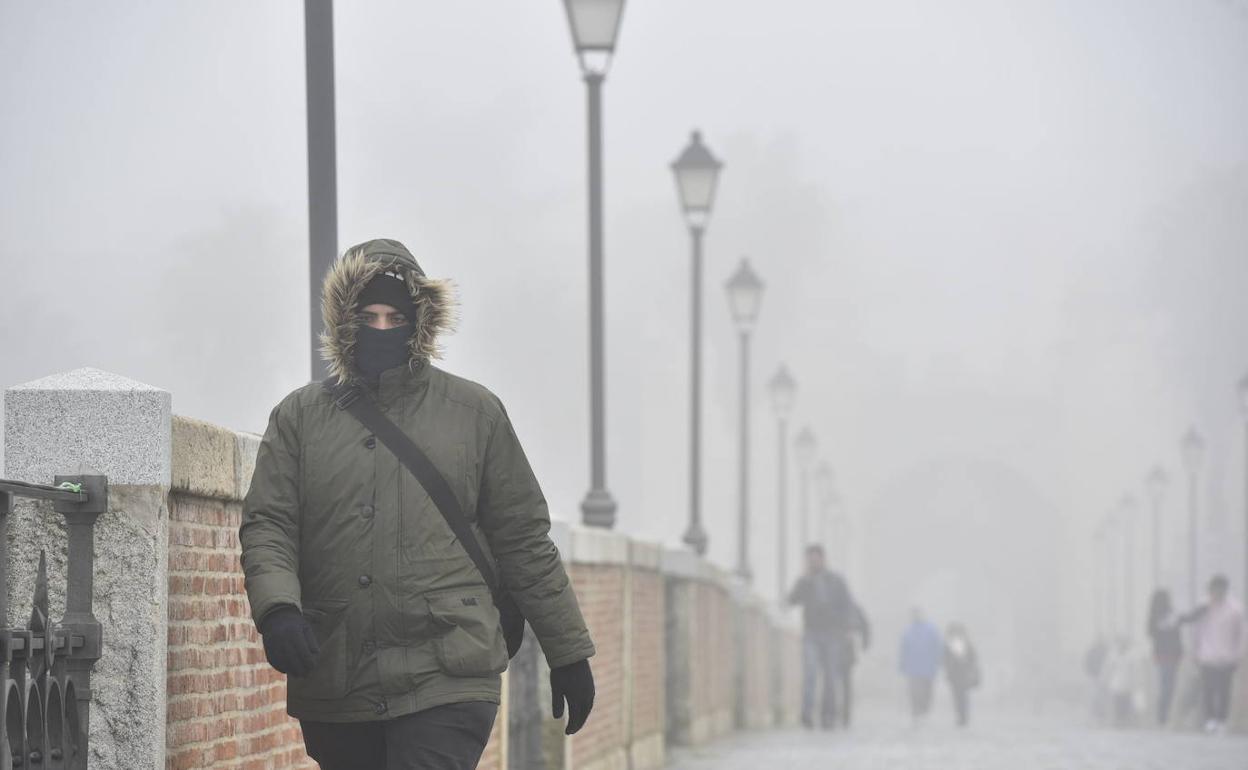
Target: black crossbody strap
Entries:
(362, 408)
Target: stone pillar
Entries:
(90, 421)
(680, 570)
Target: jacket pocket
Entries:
(467, 638)
(328, 678)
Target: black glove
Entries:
(289, 643)
(575, 682)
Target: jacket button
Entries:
(369, 646)
(367, 511)
(365, 581)
(370, 442)
(380, 708)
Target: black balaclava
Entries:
(377, 350)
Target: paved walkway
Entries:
(881, 743)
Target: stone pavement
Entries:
(882, 742)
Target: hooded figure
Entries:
(361, 592)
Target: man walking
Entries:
(827, 617)
(388, 628)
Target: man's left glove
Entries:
(574, 682)
(289, 643)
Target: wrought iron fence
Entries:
(45, 667)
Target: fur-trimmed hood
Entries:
(348, 276)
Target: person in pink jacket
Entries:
(1220, 642)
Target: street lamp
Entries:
(1129, 509)
(1099, 571)
(1193, 453)
(696, 172)
(804, 445)
(1108, 527)
(1243, 405)
(823, 500)
(745, 295)
(783, 391)
(595, 25)
(1155, 484)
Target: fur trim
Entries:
(434, 300)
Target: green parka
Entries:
(334, 525)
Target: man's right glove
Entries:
(575, 682)
(289, 643)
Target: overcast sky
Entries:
(1005, 238)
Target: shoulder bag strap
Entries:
(357, 404)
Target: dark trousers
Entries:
(1215, 685)
(444, 737)
(1167, 674)
(961, 703)
(820, 665)
(920, 696)
(847, 695)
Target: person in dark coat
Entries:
(860, 628)
(1167, 639)
(827, 616)
(922, 652)
(961, 669)
(363, 594)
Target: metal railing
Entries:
(45, 667)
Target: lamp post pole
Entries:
(318, 35)
(1129, 510)
(745, 293)
(805, 446)
(1193, 450)
(783, 389)
(595, 25)
(1243, 403)
(1156, 483)
(696, 172)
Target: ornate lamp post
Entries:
(1129, 511)
(805, 446)
(1155, 483)
(697, 174)
(1100, 584)
(595, 25)
(783, 391)
(1243, 405)
(745, 294)
(1109, 525)
(824, 494)
(1193, 453)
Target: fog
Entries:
(1005, 248)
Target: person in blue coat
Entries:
(922, 653)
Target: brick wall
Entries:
(600, 591)
(226, 706)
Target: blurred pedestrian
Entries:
(922, 652)
(1220, 641)
(827, 616)
(860, 637)
(1120, 682)
(961, 669)
(1164, 631)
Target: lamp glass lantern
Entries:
(1193, 450)
(783, 390)
(595, 25)
(805, 446)
(697, 174)
(1156, 483)
(823, 482)
(745, 295)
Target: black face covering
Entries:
(377, 350)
